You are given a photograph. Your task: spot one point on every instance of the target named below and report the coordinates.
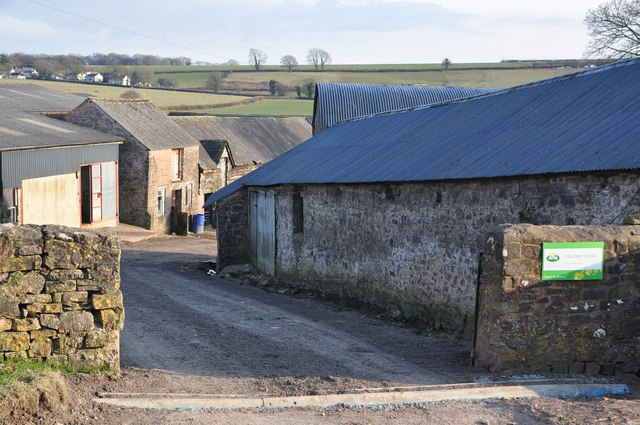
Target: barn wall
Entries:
(52, 200)
(413, 249)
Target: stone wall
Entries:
(232, 215)
(234, 173)
(413, 248)
(565, 326)
(60, 296)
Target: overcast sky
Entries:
(352, 31)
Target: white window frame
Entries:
(188, 190)
(176, 164)
(160, 199)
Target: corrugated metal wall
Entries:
(28, 164)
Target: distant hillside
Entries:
(275, 91)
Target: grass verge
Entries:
(28, 386)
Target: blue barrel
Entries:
(198, 223)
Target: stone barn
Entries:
(158, 162)
(395, 209)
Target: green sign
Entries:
(572, 260)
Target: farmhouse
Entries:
(93, 77)
(158, 162)
(395, 209)
(52, 172)
(337, 102)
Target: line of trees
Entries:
(315, 56)
(53, 64)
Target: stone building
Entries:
(53, 172)
(395, 209)
(252, 140)
(158, 162)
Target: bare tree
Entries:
(257, 58)
(318, 58)
(446, 63)
(614, 28)
(288, 62)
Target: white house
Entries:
(94, 77)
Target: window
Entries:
(160, 210)
(187, 195)
(176, 164)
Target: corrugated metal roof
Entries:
(337, 102)
(580, 122)
(33, 98)
(143, 120)
(252, 139)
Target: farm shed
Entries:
(158, 162)
(46, 165)
(337, 102)
(395, 209)
(53, 172)
(253, 140)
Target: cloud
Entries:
(353, 31)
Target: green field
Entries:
(302, 107)
(245, 91)
(166, 99)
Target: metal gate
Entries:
(262, 221)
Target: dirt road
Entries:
(189, 333)
(181, 320)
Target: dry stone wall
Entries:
(565, 326)
(60, 296)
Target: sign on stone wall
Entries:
(572, 260)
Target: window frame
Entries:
(160, 205)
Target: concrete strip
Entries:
(371, 399)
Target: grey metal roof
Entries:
(32, 98)
(24, 130)
(144, 121)
(581, 122)
(337, 102)
(252, 139)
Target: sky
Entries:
(352, 31)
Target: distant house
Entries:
(337, 102)
(23, 73)
(396, 209)
(93, 77)
(158, 162)
(53, 172)
(119, 81)
(252, 140)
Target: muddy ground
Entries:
(190, 333)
